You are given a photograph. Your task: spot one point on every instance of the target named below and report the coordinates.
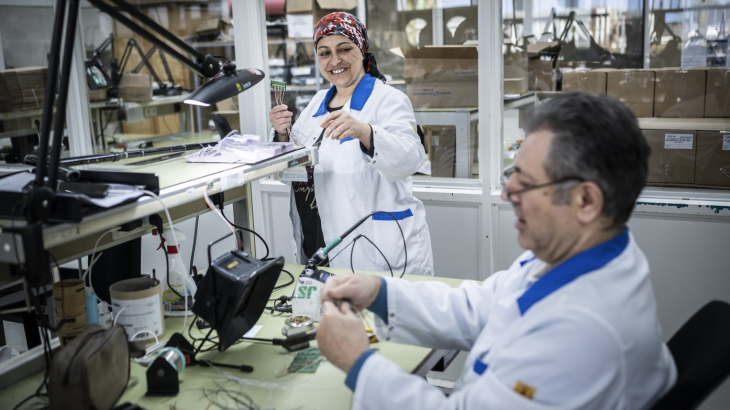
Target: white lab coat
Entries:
(349, 184)
(592, 343)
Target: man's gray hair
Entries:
(598, 139)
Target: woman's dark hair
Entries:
(596, 138)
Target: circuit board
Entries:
(306, 361)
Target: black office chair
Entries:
(701, 350)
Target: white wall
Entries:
(26, 35)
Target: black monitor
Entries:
(234, 293)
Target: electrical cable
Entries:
(322, 253)
(114, 323)
(223, 218)
(195, 240)
(47, 350)
(157, 341)
(93, 261)
(174, 236)
(167, 268)
(266, 245)
(352, 252)
(338, 253)
(281, 305)
(202, 341)
(197, 350)
(286, 284)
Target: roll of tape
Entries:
(69, 302)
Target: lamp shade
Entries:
(225, 86)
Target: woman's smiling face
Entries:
(340, 60)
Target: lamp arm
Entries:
(50, 93)
(205, 65)
(146, 63)
(145, 60)
(60, 118)
(166, 66)
(104, 44)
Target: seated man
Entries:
(572, 324)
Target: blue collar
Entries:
(359, 97)
(580, 264)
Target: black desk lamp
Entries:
(41, 202)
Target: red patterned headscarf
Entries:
(345, 24)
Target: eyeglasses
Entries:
(511, 170)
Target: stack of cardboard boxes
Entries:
(447, 76)
(319, 8)
(679, 157)
(441, 77)
(23, 88)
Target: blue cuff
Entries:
(380, 304)
(351, 379)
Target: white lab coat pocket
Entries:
(346, 157)
(389, 240)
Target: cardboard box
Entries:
(213, 26)
(229, 104)
(635, 88)
(32, 82)
(443, 95)
(540, 75)
(135, 87)
(441, 77)
(713, 158)
(514, 72)
(318, 8)
(26, 87)
(717, 93)
(592, 81)
(97, 95)
(679, 93)
(6, 101)
(672, 159)
(440, 64)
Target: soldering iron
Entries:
(311, 269)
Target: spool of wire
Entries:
(174, 356)
(163, 372)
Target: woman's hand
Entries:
(340, 124)
(280, 118)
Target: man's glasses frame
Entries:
(511, 170)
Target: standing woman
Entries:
(368, 150)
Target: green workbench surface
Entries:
(323, 389)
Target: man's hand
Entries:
(359, 290)
(340, 124)
(341, 335)
(280, 118)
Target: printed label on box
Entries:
(678, 141)
(726, 142)
(300, 26)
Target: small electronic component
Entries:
(306, 361)
(278, 88)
